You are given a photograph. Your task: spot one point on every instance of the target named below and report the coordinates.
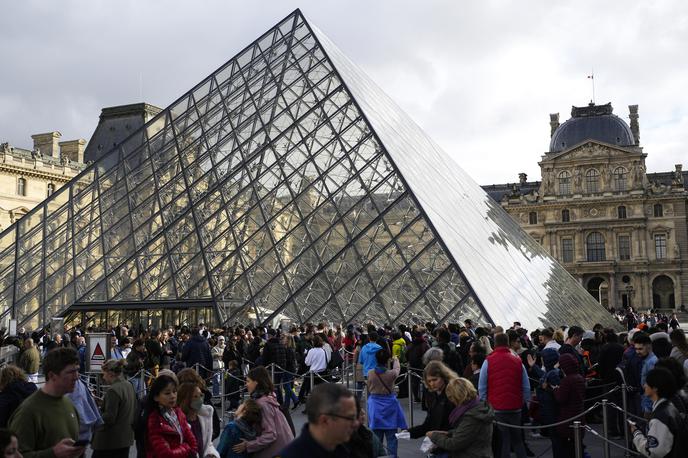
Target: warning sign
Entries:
(97, 347)
(98, 354)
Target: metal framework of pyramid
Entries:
(284, 183)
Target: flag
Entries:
(591, 77)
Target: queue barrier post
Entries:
(410, 374)
(312, 376)
(272, 372)
(577, 439)
(142, 384)
(605, 427)
(624, 403)
(196, 367)
(222, 396)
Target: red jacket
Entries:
(163, 440)
(504, 377)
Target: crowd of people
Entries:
(479, 385)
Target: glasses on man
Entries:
(343, 417)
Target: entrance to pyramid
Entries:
(285, 184)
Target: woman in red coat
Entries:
(168, 433)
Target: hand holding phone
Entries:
(81, 443)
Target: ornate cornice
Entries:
(63, 177)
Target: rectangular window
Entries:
(532, 217)
(624, 247)
(567, 250)
(660, 246)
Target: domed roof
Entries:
(594, 122)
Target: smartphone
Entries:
(81, 443)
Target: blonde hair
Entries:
(9, 374)
(439, 369)
(114, 365)
(460, 391)
(485, 343)
(558, 335)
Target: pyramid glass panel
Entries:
(286, 184)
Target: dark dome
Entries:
(594, 122)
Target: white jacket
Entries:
(205, 415)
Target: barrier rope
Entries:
(562, 422)
(620, 409)
(610, 442)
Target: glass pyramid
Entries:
(284, 184)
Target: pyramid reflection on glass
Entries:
(286, 183)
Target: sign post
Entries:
(97, 350)
(13, 327)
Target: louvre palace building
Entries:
(619, 230)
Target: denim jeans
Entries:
(510, 437)
(390, 434)
(217, 379)
(289, 396)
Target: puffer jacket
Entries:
(471, 434)
(163, 440)
(570, 395)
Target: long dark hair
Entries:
(160, 383)
(261, 376)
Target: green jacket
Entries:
(119, 409)
(471, 437)
(30, 360)
(41, 421)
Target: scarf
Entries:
(246, 431)
(458, 411)
(171, 418)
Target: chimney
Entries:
(73, 150)
(47, 143)
(553, 123)
(635, 127)
(522, 178)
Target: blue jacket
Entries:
(367, 357)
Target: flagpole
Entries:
(592, 78)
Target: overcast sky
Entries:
(480, 77)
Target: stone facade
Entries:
(27, 177)
(620, 231)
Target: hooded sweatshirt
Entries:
(570, 395)
(471, 433)
(367, 356)
(10, 398)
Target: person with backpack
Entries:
(666, 431)
(385, 414)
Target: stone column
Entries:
(612, 289)
(579, 248)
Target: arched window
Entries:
(592, 181)
(564, 183)
(532, 217)
(658, 210)
(565, 216)
(21, 187)
(594, 244)
(51, 189)
(620, 179)
(621, 211)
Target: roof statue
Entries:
(286, 183)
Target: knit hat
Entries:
(659, 335)
(550, 357)
(588, 335)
